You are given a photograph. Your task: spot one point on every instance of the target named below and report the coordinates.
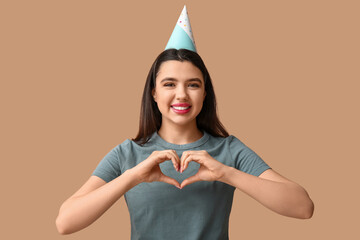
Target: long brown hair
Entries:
(150, 116)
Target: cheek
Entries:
(164, 99)
(198, 99)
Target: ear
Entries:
(153, 94)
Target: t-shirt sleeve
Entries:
(109, 167)
(246, 159)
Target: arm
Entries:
(273, 191)
(91, 201)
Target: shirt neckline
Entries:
(160, 141)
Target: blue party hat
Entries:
(182, 36)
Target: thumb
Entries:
(169, 180)
(190, 180)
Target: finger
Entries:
(169, 180)
(193, 157)
(167, 155)
(188, 153)
(184, 156)
(190, 180)
(177, 167)
(175, 159)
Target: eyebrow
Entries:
(175, 80)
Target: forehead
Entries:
(179, 70)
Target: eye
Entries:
(191, 84)
(195, 85)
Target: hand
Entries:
(210, 168)
(149, 169)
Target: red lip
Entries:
(181, 105)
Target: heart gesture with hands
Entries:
(210, 168)
(149, 169)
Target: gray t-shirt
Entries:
(200, 210)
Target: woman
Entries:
(180, 142)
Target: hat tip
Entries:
(182, 36)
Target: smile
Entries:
(181, 110)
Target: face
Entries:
(179, 83)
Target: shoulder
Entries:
(234, 140)
(230, 140)
(121, 149)
(223, 142)
(236, 145)
(130, 146)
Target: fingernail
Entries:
(178, 187)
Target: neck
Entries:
(179, 135)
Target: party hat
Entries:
(182, 36)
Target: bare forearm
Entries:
(288, 199)
(78, 213)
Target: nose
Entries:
(181, 92)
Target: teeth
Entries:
(181, 108)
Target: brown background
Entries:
(286, 76)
